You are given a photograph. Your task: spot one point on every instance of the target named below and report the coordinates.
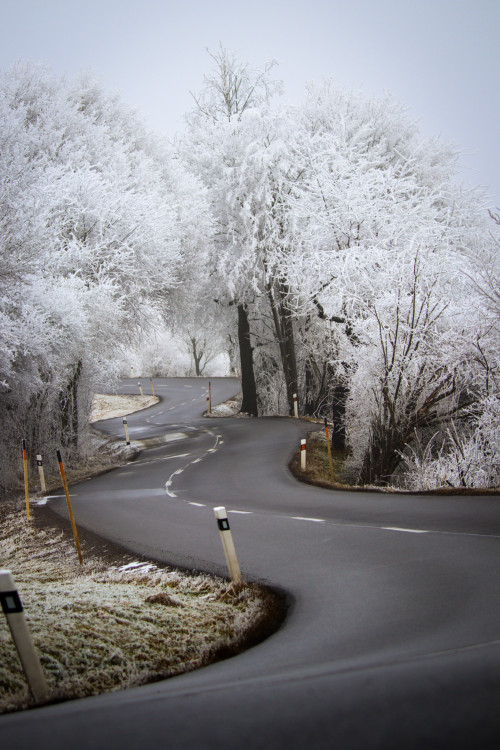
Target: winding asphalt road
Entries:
(392, 638)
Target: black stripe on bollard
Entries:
(223, 524)
(11, 602)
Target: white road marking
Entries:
(155, 460)
(198, 505)
(313, 520)
(167, 490)
(408, 531)
(241, 512)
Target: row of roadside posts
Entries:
(11, 601)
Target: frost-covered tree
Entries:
(384, 238)
(218, 138)
(94, 212)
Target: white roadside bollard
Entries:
(39, 463)
(295, 406)
(13, 611)
(125, 427)
(303, 451)
(228, 544)
(140, 388)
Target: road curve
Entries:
(392, 638)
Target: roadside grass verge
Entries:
(318, 473)
(109, 625)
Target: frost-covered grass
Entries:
(318, 465)
(318, 472)
(106, 406)
(101, 627)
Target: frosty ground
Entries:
(114, 621)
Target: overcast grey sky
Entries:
(439, 57)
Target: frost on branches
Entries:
(360, 265)
(94, 216)
(328, 248)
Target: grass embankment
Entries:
(318, 464)
(115, 621)
(318, 473)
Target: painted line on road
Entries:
(242, 512)
(198, 505)
(155, 460)
(303, 518)
(168, 484)
(408, 531)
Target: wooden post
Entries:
(70, 509)
(26, 489)
(329, 452)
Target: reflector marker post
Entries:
(295, 406)
(227, 544)
(329, 452)
(152, 388)
(70, 509)
(125, 427)
(13, 611)
(140, 388)
(303, 452)
(26, 489)
(209, 397)
(39, 463)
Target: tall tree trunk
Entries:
(283, 325)
(68, 402)
(249, 403)
(339, 400)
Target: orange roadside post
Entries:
(70, 509)
(26, 489)
(329, 452)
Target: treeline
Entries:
(97, 219)
(330, 247)
(361, 274)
